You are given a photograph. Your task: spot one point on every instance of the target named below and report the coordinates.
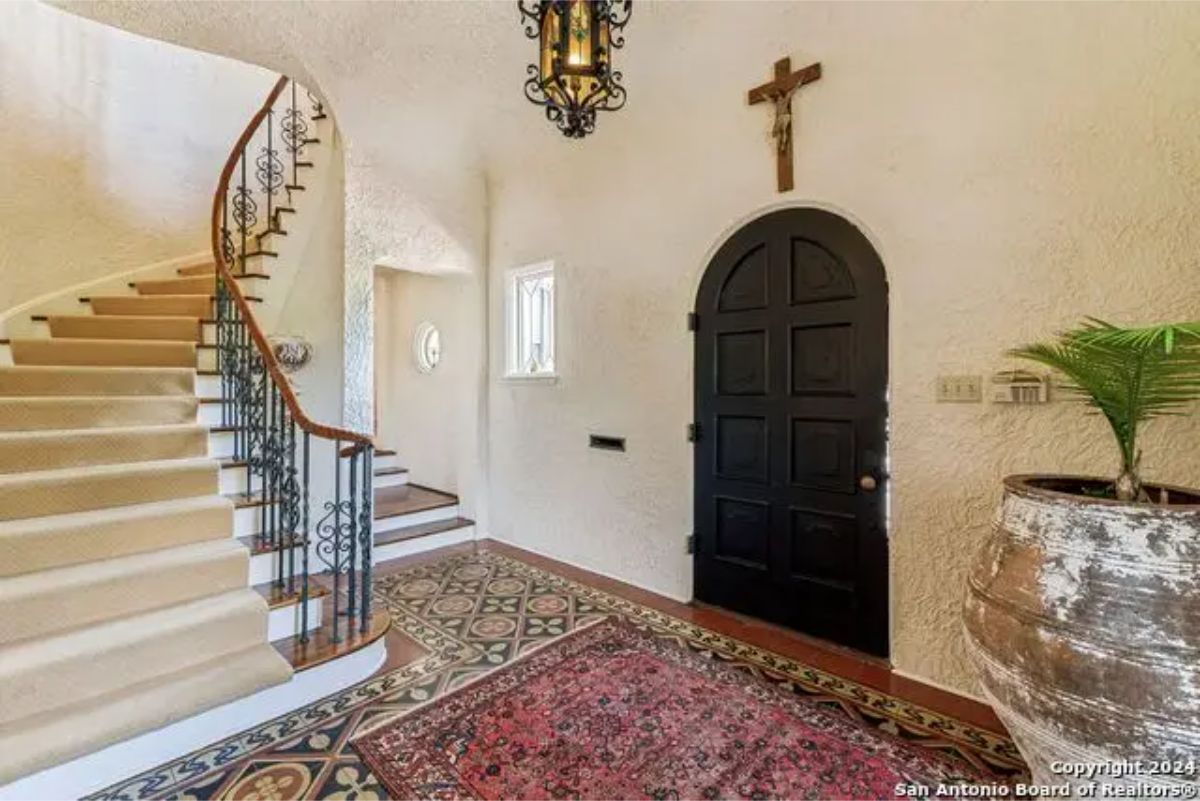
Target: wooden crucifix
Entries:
(779, 92)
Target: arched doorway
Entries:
(791, 401)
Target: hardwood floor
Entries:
(861, 668)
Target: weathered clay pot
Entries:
(1083, 619)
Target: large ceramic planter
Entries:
(1083, 619)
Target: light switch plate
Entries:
(959, 389)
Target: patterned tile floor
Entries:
(472, 612)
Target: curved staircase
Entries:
(126, 600)
(156, 519)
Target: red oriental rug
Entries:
(613, 712)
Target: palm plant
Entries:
(1129, 375)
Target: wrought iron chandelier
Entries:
(574, 78)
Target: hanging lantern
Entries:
(574, 78)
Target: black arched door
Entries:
(791, 402)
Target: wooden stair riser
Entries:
(399, 550)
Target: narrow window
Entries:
(530, 321)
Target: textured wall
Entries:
(435, 420)
(112, 144)
(1017, 165)
(412, 116)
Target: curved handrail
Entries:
(260, 340)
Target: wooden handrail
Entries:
(260, 340)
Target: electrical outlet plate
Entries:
(959, 389)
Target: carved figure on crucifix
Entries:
(781, 131)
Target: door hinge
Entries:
(691, 543)
(693, 321)
(693, 432)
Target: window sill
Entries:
(540, 378)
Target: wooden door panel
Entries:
(791, 376)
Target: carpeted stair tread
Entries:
(125, 326)
(78, 489)
(207, 268)
(31, 413)
(28, 451)
(96, 381)
(103, 352)
(29, 745)
(59, 540)
(51, 601)
(188, 305)
(46, 673)
(191, 285)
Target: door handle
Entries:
(868, 482)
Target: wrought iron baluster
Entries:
(243, 435)
(290, 490)
(305, 533)
(337, 534)
(223, 367)
(352, 500)
(295, 136)
(245, 215)
(278, 538)
(365, 532)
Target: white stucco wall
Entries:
(112, 145)
(1018, 165)
(435, 421)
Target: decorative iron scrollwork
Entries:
(268, 169)
(574, 78)
(256, 401)
(245, 210)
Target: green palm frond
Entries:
(1130, 375)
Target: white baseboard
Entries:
(98, 770)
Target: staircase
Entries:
(160, 525)
(410, 518)
(126, 599)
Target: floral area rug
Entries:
(611, 711)
(474, 612)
